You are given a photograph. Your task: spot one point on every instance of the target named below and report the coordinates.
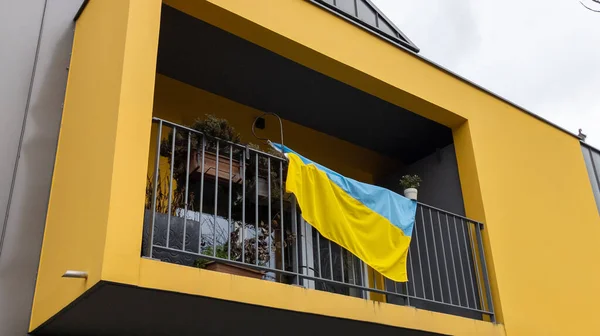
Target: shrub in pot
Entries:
(410, 183)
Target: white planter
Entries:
(410, 193)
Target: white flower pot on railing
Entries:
(410, 193)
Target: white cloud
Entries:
(541, 54)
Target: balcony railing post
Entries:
(486, 280)
(307, 254)
(203, 145)
(364, 272)
(171, 196)
(295, 244)
(187, 185)
(155, 189)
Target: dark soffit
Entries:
(199, 54)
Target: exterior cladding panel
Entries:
(37, 37)
(591, 157)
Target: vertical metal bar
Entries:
(374, 280)
(355, 8)
(229, 203)
(462, 271)
(243, 165)
(352, 269)
(437, 263)
(319, 254)
(187, 185)
(445, 259)
(467, 244)
(342, 263)
(428, 259)
(419, 256)
(281, 208)
(155, 191)
(216, 200)
(203, 145)
(488, 291)
(330, 261)
(256, 206)
(269, 203)
(295, 245)
(476, 262)
(453, 263)
(170, 195)
(362, 269)
(412, 274)
(303, 240)
(307, 255)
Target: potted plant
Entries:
(216, 131)
(267, 247)
(223, 253)
(410, 183)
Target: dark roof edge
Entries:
(399, 42)
(390, 22)
(81, 9)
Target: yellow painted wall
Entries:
(181, 103)
(95, 210)
(176, 278)
(515, 169)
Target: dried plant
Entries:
(162, 196)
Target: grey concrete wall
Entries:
(591, 157)
(35, 45)
(441, 183)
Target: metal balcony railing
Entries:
(222, 206)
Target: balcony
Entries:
(221, 206)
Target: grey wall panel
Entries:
(592, 162)
(24, 223)
(20, 23)
(441, 183)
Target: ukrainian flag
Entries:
(373, 223)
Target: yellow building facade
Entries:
(514, 171)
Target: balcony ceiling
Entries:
(201, 55)
(110, 309)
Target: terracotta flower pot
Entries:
(234, 269)
(210, 167)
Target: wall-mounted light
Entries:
(260, 123)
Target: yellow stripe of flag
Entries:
(346, 221)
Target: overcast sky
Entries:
(541, 54)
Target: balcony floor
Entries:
(115, 309)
